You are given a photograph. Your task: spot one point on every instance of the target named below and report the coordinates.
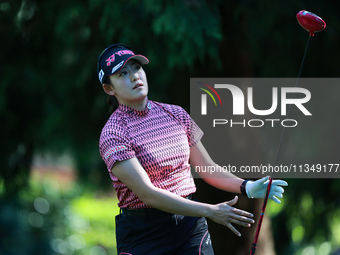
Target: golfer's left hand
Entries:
(258, 189)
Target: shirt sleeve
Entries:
(194, 133)
(115, 145)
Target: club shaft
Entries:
(290, 106)
(257, 233)
(254, 246)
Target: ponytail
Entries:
(111, 100)
(113, 103)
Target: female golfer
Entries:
(147, 147)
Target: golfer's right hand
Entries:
(227, 215)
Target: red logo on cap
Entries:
(110, 60)
(119, 53)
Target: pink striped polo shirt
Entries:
(160, 137)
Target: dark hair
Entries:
(111, 100)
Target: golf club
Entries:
(312, 23)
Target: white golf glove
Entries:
(258, 189)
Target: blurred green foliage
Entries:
(311, 225)
(52, 219)
(51, 101)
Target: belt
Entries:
(146, 211)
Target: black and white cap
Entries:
(113, 59)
